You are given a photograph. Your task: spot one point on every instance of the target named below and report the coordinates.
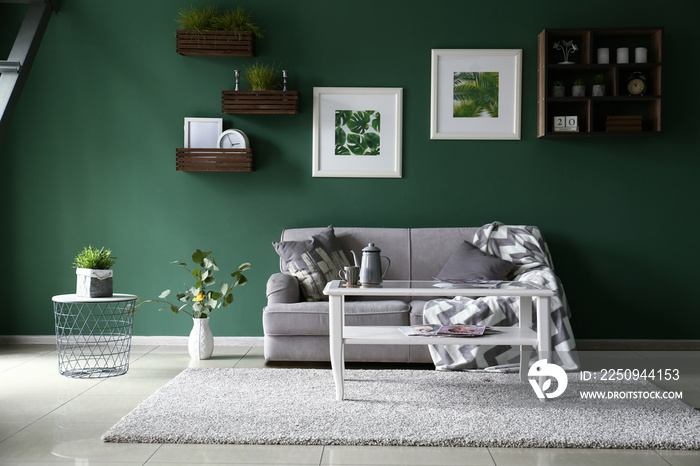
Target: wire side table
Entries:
(93, 335)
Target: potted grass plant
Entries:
(200, 300)
(558, 89)
(93, 274)
(578, 89)
(205, 31)
(261, 77)
(598, 85)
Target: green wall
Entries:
(89, 159)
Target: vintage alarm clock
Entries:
(637, 84)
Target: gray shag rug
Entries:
(401, 407)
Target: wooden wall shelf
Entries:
(260, 102)
(214, 160)
(215, 43)
(593, 111)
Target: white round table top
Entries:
(74, 298)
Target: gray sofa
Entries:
(296, 330)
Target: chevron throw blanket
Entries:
(526, 248)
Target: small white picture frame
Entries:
(202, 133)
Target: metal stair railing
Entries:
(14, 70)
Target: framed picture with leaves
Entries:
(475, 93)
(357, 132)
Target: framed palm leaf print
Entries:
(357, 132)
(475, 93)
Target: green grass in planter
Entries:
(197, 19)
(261, 77)
(93, 258)
(238, 20)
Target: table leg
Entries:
(525, 321)
(544, 339)
(336, 317)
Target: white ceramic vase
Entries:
(201, 341)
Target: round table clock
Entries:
(637, 84)
(233, 139)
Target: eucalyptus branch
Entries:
(200, 299)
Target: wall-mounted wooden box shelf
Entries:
(215, 43)
(593, 111)
(214, 160)
(260, 102)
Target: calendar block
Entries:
(566, 123)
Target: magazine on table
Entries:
(448, 330)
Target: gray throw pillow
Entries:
(314, 261)
(470, 263)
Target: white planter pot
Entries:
(578, 91)
(598, 90)
(93, 283)
(558, 91)
(201, 341)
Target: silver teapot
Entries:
(371, 265)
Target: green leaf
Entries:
(342, 117)
(228, 299)
(356, 144)
(164, 294)
(372, 140)
(376, 122)
(207, 263)
(359, 122)
(198, 256)
(196, 272)
(174, 309)
(244, 266)
(342, 150)
(340, 136)
(209, 281)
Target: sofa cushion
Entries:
(312, 318)
(314, 261)
(470, 263)
(432, 247)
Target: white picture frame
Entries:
(450, 106)
(371, 118)
(203, 133)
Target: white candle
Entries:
(604, 56)
(623, 55)
(640, 55)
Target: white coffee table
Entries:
(522, 335)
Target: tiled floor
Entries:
(49, 419)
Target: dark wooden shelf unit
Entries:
(592, 111)
(214, 160)
(215, 43)
(260, 102)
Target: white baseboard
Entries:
(581, 344)
(135, 340)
